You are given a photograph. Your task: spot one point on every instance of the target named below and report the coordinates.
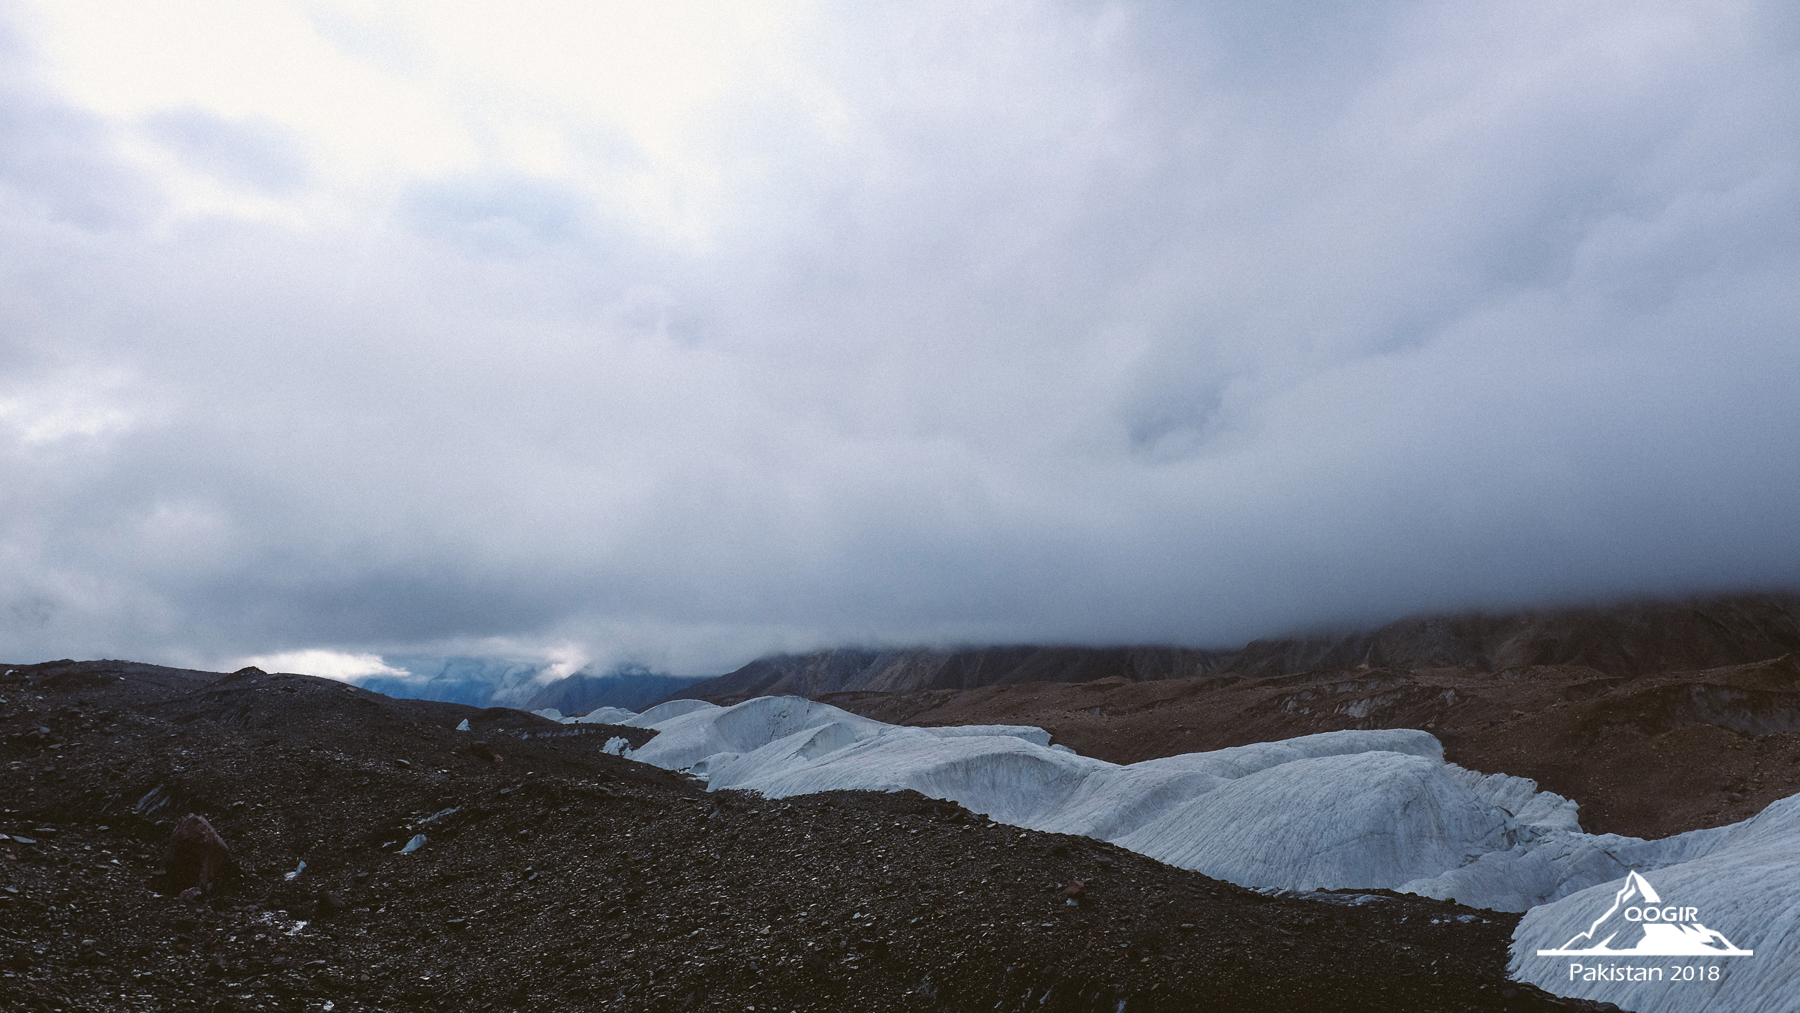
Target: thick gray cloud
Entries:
(1046, 323)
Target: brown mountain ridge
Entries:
(1620, 640)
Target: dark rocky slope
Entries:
(557, 877)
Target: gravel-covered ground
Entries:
(555, 876)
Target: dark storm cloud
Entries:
(1140, 324)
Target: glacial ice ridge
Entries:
(1337, 810)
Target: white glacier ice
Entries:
(597, 716)
(664, 711)
(1338, 809)
(1349, 809)
(603, 716)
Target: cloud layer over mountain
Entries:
(618, 333)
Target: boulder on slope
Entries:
(196, 856)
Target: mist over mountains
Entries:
(474, 681)
(1168, 378)
(632, 687)
(1620, 639)
(485, 682)
(1024, 324)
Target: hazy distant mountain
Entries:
(487, 682)
(1622, 640)
(479, 682)
(632, 687)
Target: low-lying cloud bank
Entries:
(1039, 323)
(487, 682)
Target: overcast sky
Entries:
(679, 334)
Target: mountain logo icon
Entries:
(1640, 924)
